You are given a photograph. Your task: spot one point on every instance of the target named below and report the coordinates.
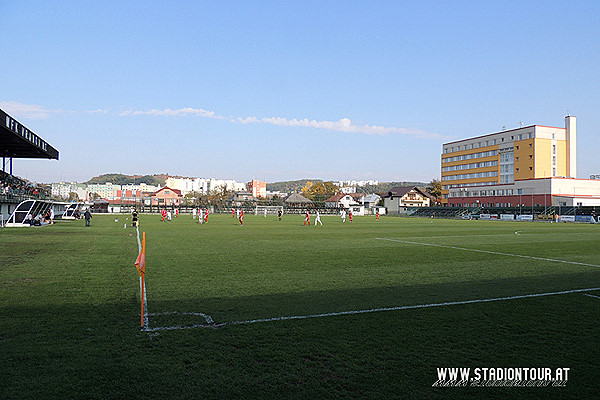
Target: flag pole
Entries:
(140, 264)
(142, 314)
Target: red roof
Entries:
(176, 191)
(337, 197)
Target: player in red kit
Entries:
(377, 216)
(350, 216)
(233, 212)
(206, 215)
(163, 215)
(241, 217)
(307, 218)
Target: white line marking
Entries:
(591, 295)
(372, 310)
(208, 318)
(137, 229)
(456, 236)
(490, 252)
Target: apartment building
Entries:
(531, 165)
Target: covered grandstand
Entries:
(17, 141)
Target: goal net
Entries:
(267, 210)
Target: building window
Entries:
(531, 168)
(554, 171)
(531, 156)
(553, 149)
(530, 145)
(517, 147)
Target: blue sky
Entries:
(281, 90)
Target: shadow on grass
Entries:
(97, 351)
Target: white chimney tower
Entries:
(571, 128)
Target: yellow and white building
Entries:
(531, 165)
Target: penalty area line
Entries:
(371, 310)
(490, 252)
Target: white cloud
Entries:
(342, 125)
(180, 112)
(32, 111)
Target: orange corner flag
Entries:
(140, 262)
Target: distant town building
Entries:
(345, 200)
(258, 188)
(271, 194)
(188, 185)
(531, 165)
(62, 190)
(398, 198)
(348, 189)
(371, 200)
(217, 185)
(167, 196)
(353, 183)
(104, 190)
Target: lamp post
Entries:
(531, 203)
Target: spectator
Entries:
(87, 215)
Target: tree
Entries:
(192, 199)
(319, 191)
(305, 190)
(435, 188)
(221, 197)
(73, 196)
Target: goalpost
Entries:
(271, 210)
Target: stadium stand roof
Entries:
(16, 141)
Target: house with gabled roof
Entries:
(399, 198)
(344, 200)
(371, 200)
(167, 197)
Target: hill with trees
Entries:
(120, 179)
(290, 186)
(384, 187)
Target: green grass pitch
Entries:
(70, 310)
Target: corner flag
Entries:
(140, 262)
